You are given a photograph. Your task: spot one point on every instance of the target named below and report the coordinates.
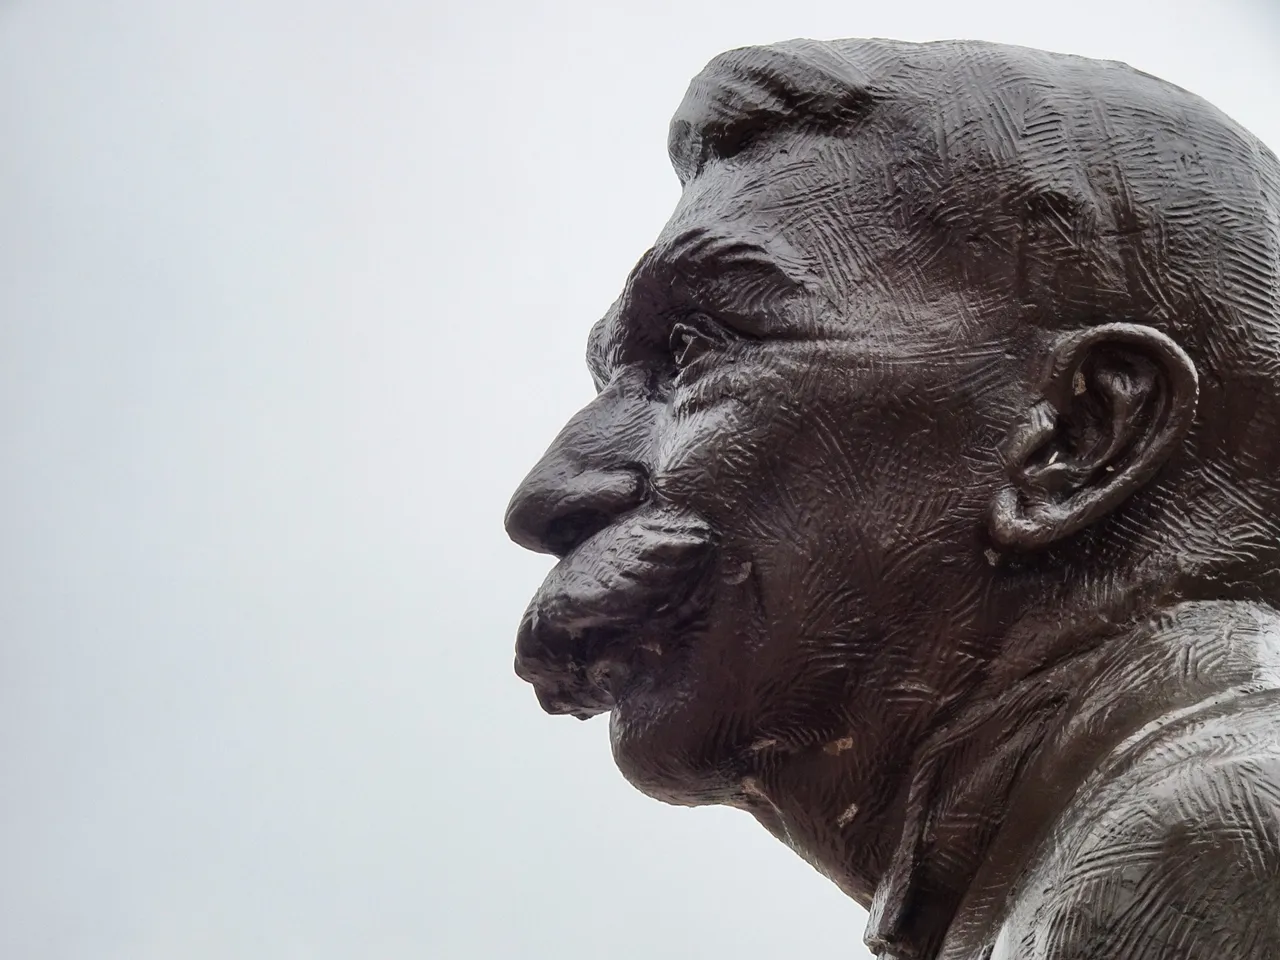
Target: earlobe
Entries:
(1116, 401)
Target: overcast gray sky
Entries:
(292, 292)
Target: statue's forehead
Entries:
(770, 245)
(800, 225)
(794, 205)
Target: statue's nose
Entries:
(559, 505)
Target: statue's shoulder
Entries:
(1173, 853)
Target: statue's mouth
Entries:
(613, 612)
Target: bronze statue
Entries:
(928, 509)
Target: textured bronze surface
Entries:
(928, 506)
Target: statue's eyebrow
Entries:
(710, 252)
(743, 281)
(748, 281)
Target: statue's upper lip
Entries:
(606, 609)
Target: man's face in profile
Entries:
(898, 452)
(766, 530)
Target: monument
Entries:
(929, 508)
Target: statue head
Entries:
(951, 356)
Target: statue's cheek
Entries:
(708, 459)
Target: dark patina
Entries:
(928, 506)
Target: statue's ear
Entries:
(1116, 400)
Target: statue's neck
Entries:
(991, 780)
(957, 802)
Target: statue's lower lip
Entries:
(587, 672)
(581, 675)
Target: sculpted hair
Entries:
(746, 94)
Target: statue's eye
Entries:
(694, 338)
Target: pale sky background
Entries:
(292, 292)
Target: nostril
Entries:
(565, 532)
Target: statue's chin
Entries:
(669, 734)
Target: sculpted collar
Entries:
(990, 784)
(949, 823)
